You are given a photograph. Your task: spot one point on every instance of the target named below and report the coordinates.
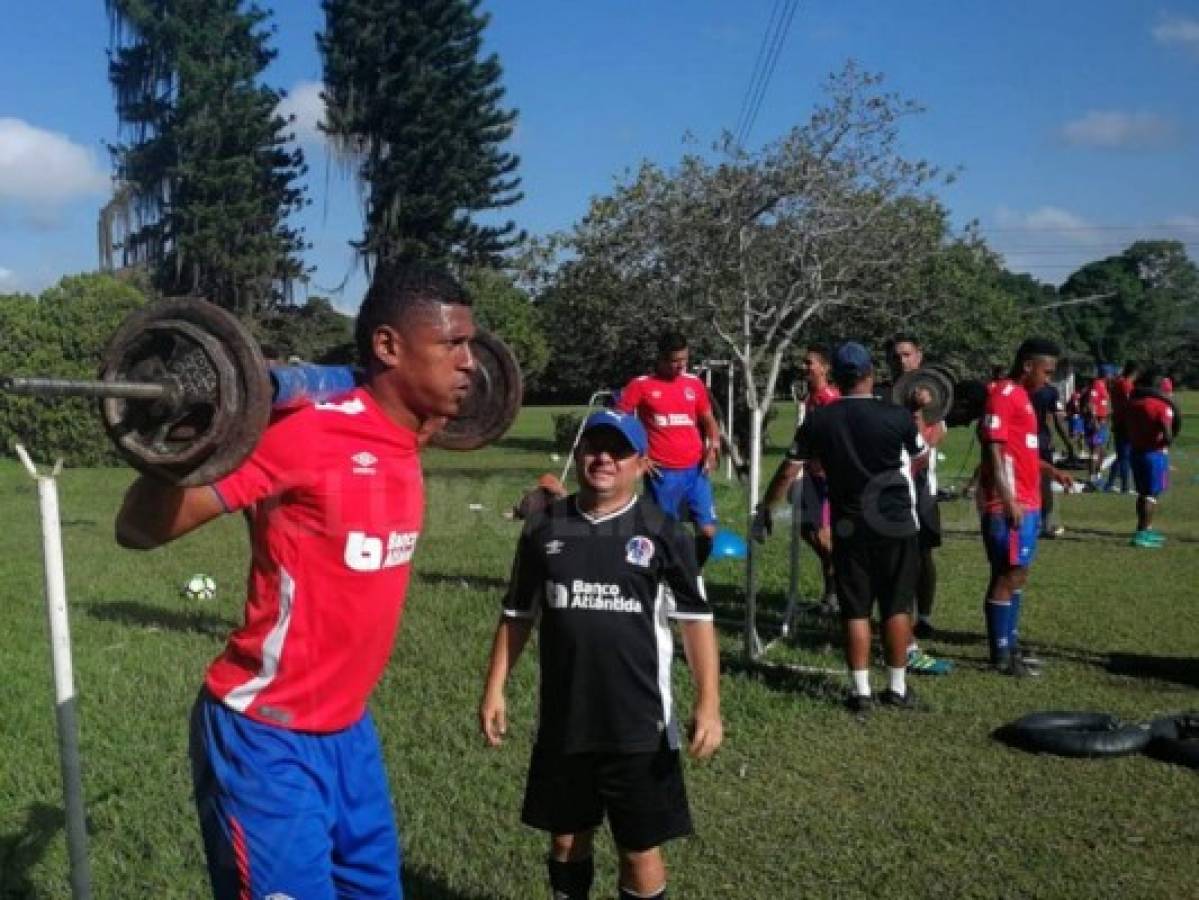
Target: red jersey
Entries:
(1098, 399)
(670, 412)
(337, 501)
(823, 397)
(1150, 423)
(1120, 394)
(1009, 419)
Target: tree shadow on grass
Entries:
(22, 850)
(131, 612)
(421, 884)
(528, 445)
(1177, 669)
(828, 687)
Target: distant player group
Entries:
(290, 789)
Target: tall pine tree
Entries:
(208, 174)
(416, 112)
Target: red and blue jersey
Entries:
(1098, 400)
(1009, 420)
(336, 498)
(1121, 393)
(1150, 423)
(670, 411)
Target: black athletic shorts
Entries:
(868, 570)
(641, 793)
(929, 513)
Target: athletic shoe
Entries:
(860, 703)
(1145, 541)
(923, 629)
(919, 661)
(1014, 666)
(1154, 535)
(1033, 662)
(906, 700)
(1050, 534)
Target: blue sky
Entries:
(1075, 122)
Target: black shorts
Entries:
(641, 793)
(884, 570)
(929, 513)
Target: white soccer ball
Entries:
(200, 587)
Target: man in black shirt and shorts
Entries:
(867, 448)
(604, 573)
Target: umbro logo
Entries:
(553, 548)
(364, 463)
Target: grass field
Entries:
(802, 801)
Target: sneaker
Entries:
(1154, 535)
(923, 629)
(1050, 534)
(1014, 666)
(919, 661)
(1145, 541)
(1032, 662)
(906, 700)
(860, 703)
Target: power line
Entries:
(758, 68)
(781, 16)
(778, 48)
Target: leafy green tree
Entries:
(62, 332)
(415, 112)
(1139, 305)
(311, 331)
(504, 309)
(208, 178)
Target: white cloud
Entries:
(6, 275)
(1178, 30)
(43, 168)
(304, 102)
(1113, 129)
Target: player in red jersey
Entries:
(684, 438)
(814, 508)
(289, 782)
(1121, 393)
(1149, 417)
(1097, 408)
(1009, 496)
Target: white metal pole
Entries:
(64, 681)
(728, 459)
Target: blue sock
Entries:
(1013, 636)
(998, 629)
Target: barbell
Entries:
(954, 402)
(185, 393)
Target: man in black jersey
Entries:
(603, 574)
(867, 448)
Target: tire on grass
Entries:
(1075, 734)
(1175, 739)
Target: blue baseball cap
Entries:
(851, 360)
(626, 423)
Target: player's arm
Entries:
(711, 431)
(521, 607)
(1003, 482)
(511, 636)
(689, 606)
(780, 482)
(703, 658)
(154, 512)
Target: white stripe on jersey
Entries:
(663, 610)
(242, 696)
(905, 466)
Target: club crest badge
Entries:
(639, 551)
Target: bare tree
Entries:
(829, 219)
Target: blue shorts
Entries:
(674, 489)
(1076, 425)
(1006, 547)
(292, 814)
(1150, 472)
(1096, 435)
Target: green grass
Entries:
(802, 801)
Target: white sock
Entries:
(896, 681)
(861, 682)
